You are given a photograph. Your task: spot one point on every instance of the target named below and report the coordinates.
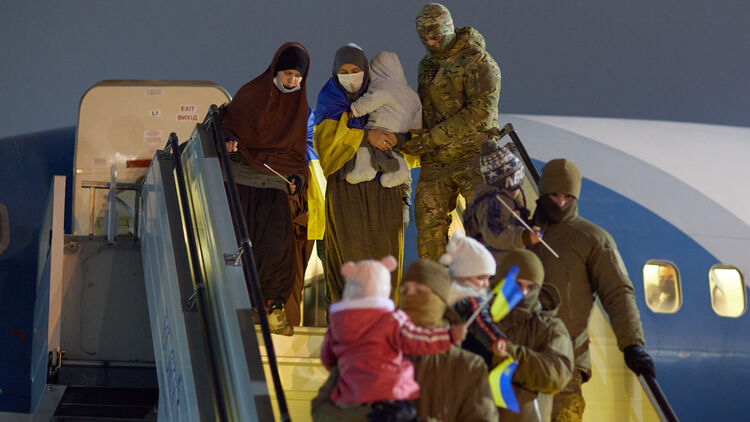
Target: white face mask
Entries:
(282, 88)
(351, 82)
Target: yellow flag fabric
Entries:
(336, 143)
(501, 378)
(316, 193)
(412, 161)
(507, 295)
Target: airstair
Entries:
(144, 311)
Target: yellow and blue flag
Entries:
(336, 136)
(500, 384)
(507, 295)
(316, 187)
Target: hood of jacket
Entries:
(351, 320)
(549, 300)
(386, 66)
(467, 38)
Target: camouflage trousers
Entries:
(435, 197)
(568, 404)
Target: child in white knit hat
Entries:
(488, 220)
(471, 266)
(469, 263)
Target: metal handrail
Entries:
(93, 186)
(213, 126)
(657, 398)
(509, 130)
(200, 286)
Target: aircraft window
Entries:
(727, 291)
(661, 282)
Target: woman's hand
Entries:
(381, 139)
(231, 146)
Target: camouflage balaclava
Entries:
(434, 20)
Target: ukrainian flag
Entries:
(336, 136)
(507, 295)
(316, 186)
(500, 384)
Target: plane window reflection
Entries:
(728, 298)
(661, 282)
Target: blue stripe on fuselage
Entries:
(701, 359)
(29, 163)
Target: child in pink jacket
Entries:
(367, 339)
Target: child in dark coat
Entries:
(488, 220)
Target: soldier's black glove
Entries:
(639, 361)
(402, 137)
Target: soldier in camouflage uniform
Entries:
(459, 86)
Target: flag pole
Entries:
(473, 316)
(277, 173)
(525, 225)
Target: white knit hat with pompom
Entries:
(466, 257)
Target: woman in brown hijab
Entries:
(266, 123)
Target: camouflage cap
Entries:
(434, 20)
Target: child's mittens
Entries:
(353, 112)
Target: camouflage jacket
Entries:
(459, 90)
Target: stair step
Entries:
(302, 374)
